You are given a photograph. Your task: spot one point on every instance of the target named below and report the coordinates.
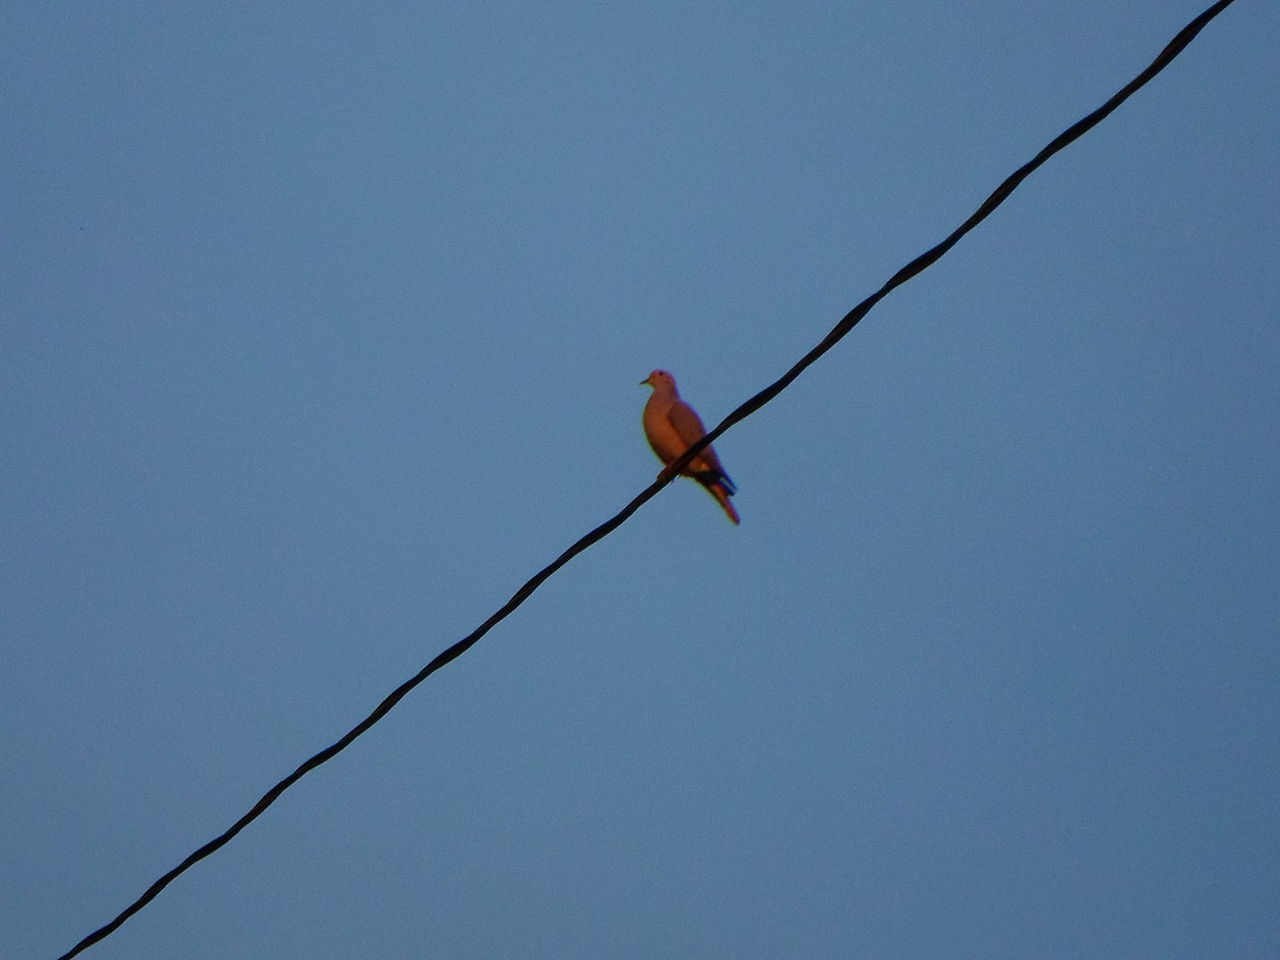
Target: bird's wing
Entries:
(686, 422)
(689, 426)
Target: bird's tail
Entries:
(722, 498)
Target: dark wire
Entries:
(916, 266)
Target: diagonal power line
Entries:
(750, 406)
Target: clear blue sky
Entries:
(320, 330)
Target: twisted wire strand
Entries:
(740, 413)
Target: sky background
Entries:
(320, 331)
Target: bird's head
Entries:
(659, 379)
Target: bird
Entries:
(672, 427)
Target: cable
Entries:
(915, 267)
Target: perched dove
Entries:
(672, 428)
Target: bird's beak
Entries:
(645, 382)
